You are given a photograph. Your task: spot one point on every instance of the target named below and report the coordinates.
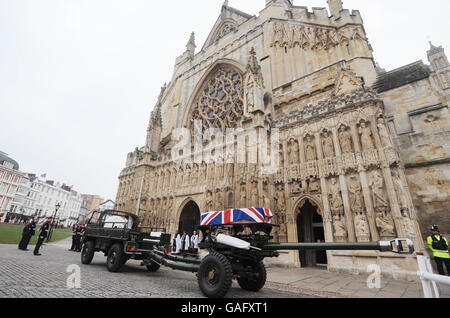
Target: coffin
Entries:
(248, 215)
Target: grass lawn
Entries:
(12, 234)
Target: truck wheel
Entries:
(87, 254)
(115, 258)
(254, 284)
(153, 267)
(215, 275)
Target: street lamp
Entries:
(58, 205)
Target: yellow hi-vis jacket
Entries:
(438, 253)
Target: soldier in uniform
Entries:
(27, 234)
(77, 238)
(43, 233)
(80, 234)
(74, 237)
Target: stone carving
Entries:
(219, 200)
(305, 37)
(203, 172)
(314, 186)
(219, 103)
(384, 220)
(362, 228)
(254, 86)
(401, 195)
(383, 132)
(209, 201)
(366, 137)
(230, 172)
(336, 203)
(380, 202)
(310, 149)
(345, 139)
(385, 224)
(224, 30)
(340, 230)
(327, 144)
(195, 174)
(243, 197)
(293, 152)
(280, 200)
(356, 201)
(281, 155)
(254, 195)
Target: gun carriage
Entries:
(236, 249)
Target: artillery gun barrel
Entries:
(163, 259)
(396, 246)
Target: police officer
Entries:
(438, 244)
(27, 234)
(43, 233)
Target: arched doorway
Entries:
(189, 218)
(310, 229)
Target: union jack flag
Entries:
(258, 215)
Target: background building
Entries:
(10, 180)
(23, 206)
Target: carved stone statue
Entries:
(327, 145)
(356, 201)
(366, 137)
(243, 197)
(281, 156)
(209, 201)
(399, 190)
(293, 152)
(380, 202)
(230, 172)
(385, 224)
(362, 228)
(255, 197)
(203, 172)
(310, 149)
(383, 132)
(219, 200)
(336, 203)
(254, 86)
(345, 139)
(340, 231)
(280, 201)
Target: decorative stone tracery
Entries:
(220, 101)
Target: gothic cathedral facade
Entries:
(310, 80)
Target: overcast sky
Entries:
(79, 78)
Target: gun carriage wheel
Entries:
(215, 275)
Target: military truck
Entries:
(118, 236)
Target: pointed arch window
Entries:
(220, 100)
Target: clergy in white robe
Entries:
(194, 242)
(178, 244)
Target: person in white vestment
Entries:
(178, 244)
(194, 242)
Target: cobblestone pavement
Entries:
(23, 275)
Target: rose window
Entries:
(220, 102)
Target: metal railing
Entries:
(428, 278)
